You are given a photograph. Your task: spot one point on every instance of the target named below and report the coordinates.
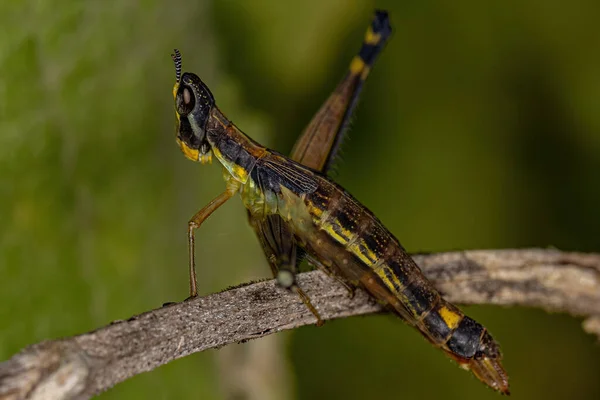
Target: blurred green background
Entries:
(478, 128)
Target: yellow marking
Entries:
(385, 280)
(175, 89)
(450, 317)
(396, 279)
(329, 229)
(357, 65)
(390, 285)
(206, 158)
(348, 237)
(240, 172)
(365, 73)
(369, 258)
(192, 154)
(379, 264)
(345, 231)
(316, 211)
(362, 257)
(237, 172)
(218, 154)
(371, 37)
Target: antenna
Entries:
(176, 56)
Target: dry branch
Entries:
(81, 366)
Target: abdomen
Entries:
(350, 240)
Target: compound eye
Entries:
(185, 101)
(187, 96)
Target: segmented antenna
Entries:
(176, 56)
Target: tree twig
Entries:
(81, 366)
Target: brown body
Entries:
(333, 228)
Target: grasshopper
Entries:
(335, 231)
